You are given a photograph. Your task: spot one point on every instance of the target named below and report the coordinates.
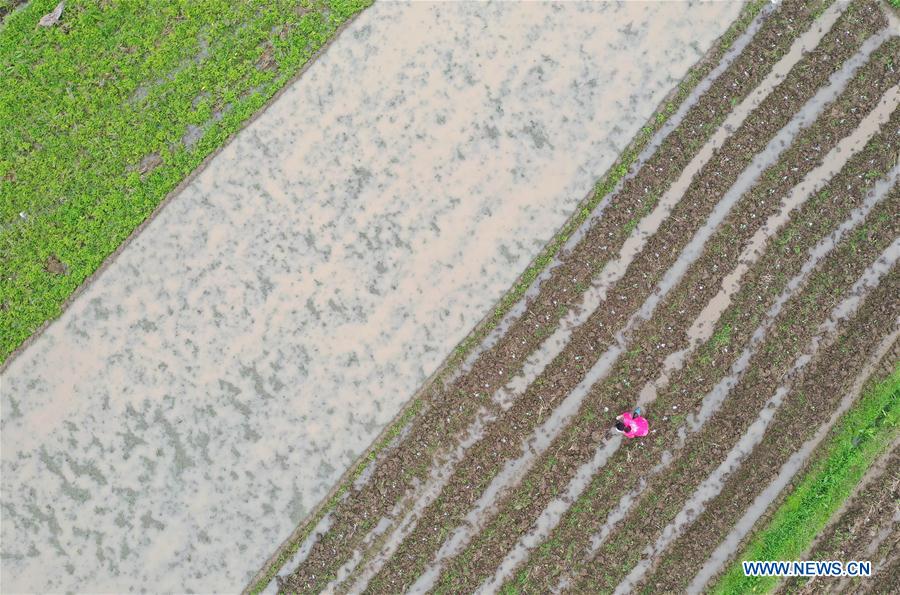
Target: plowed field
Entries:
(739, 283)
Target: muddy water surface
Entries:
(195, 403)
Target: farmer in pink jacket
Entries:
(632, 424)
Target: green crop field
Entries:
(103, 113)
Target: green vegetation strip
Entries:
(105, 112)
(862, 435)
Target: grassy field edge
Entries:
(111, 112)
(863, 434)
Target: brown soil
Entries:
(267, 60)
(808, 406)
(450, 409)
(813, 221)
(55, 265)
(762, 283)
(666, 493)
(147, 164)
(850, 535)
(884, 580)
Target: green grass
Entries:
(112, 86)
(861, 436)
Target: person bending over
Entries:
(632, 424)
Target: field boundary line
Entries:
(177, 190)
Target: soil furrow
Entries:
(553, 512)
(611, 273)
(879, 551)
(659, 515)
(764, 473)
(763, 284)
(886, 576)
(501, 442)
(650, 149)
(303, 550)
(542, 485)
(385, 544)
(451, 408)
(854, 528)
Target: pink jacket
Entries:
(637, 426)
